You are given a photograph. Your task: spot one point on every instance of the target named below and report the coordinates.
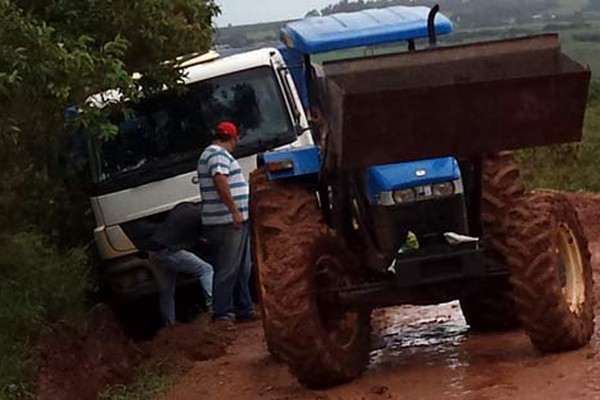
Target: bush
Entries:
(53, 55)
(39, 286)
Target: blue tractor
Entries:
(409, 195)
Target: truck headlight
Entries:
(442, 189)
(404, 195)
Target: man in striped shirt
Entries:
(225, 193)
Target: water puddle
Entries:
(435, 341)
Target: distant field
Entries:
(247, 35)
(567, 7)
(587, 53)
(572, 19)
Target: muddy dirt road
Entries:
(420, 353)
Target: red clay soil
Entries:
(77, 365)
(420, 353)
(588, 208)
(198, 341)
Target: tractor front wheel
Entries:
(299, 264)
(490, 308)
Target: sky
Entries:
(242, 12)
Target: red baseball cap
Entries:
(228, 129)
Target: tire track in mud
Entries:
(419, 353)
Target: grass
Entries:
(151, 380)
(39, 286)
(587, 54)
(572, 167)
(42, 287)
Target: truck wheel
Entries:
(297, 260)
(140, 318)
(491, 307)
(551, 272)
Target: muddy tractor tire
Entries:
(297, 258)
(260, 186)
(551, 272)
(491, 307)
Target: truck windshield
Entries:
(166, 134)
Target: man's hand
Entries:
(222, 186)
(237, 219)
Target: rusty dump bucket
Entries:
(461, 100)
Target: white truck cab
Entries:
(150, 166)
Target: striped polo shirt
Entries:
(217, 160)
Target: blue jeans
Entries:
(167, 264)
(231, 260)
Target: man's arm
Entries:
(222, 186)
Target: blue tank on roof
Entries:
(363, 28)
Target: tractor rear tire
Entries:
(296, 256)
(490, 308)
(551, 272)
(259, 184)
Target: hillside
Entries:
(578, 22)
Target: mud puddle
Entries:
(438, 358)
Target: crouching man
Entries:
(170, 255)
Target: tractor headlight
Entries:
(442, 189)
(420, 193)
(404, 195)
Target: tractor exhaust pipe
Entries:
(431, 25)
